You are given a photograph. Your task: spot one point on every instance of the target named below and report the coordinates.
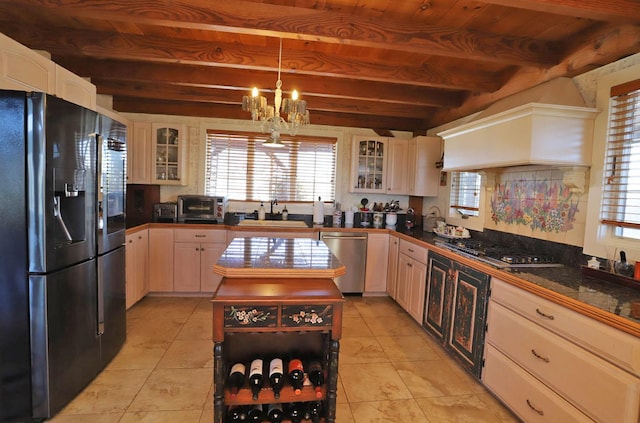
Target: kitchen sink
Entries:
(274, 223)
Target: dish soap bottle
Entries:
(285, 213)
(261, 212)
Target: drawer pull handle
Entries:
(201, 236)
(410, 250)
(539, 357)
(537, 410)
(548, 316)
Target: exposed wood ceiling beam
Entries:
(165, 50)
(252, 18)
(240, 83)
(608, 10)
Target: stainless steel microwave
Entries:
(201, 209)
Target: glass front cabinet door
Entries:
(369, 156)
(169, 142)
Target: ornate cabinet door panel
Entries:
(468, 315)
(436, 308)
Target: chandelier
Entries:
(269, 117)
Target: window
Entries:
(621, 185)
(240, 168)
(465, 193)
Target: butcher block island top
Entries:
(278, 258)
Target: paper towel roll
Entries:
(318, 212)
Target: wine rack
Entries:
(275, 330)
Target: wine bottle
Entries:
(314, 411)
(255, 413)
(275, 414)
(255, 377)
(316, 377)
(237, 414)
(236, 378)
(296, 375)
(276, 376)
(295, 412)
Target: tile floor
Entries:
(390, 371)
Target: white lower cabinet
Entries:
(161, 242)
(392, 267)
(542, 360)
(412, 278)
(376, 268)
(195, 252)
(136, 266)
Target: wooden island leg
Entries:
(218, 383)
(332, 387)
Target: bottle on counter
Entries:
(276, 376)
(255, 413)
(236, 378)
(285, 213)
(316, 377)
(296, 375)
(256, 379)
(275, 414)
(262, 214)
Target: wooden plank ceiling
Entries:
(381, 64)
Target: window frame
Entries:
(458, 193)
(252, 141)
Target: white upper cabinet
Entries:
(23, 69)
(139, 149)
(423, 174)
(378, 165)
(168, 142)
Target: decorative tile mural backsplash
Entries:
(545, 205)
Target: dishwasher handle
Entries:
(345, 237)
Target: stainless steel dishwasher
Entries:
(351, 249)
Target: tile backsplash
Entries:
(537, 203)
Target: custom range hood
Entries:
(546, 125)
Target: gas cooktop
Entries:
(499, 256)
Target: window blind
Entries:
(465, 192)
(621, 185)
(240, 168)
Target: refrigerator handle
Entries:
(100, 300)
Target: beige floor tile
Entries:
(406, 410)
(112, 391)
(435, 378)
(407, 348)
(465, 409)
(401, 324)
(378, 306)
(182, 416)
(199, 326)
(84, 418)
(160, 331)
(342, 396)
(343, 414)
(174, 389)
(139, 356)
(354, 326)
(361, 350)
(372, 382)
(349, 309)
(178, 309)
(195, 354)
(207, 416)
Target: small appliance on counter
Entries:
(201, 209)
(165, 212)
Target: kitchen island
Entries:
(277, 299)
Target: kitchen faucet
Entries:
(273, 202)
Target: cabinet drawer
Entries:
(620, 348)
(599, 389)
(524, 395)
(413, 251)
(200, 235)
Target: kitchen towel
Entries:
(318, 212)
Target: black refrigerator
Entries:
(55, 319)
